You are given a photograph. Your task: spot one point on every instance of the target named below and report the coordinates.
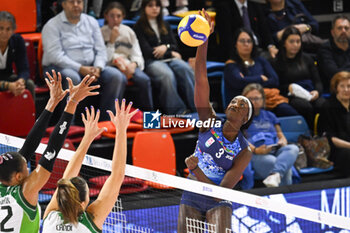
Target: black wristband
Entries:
(56, 141)
(194, 168)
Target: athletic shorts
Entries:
(202, 203)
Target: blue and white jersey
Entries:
(216, 154)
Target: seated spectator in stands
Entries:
(171, 77)
(234, 14)
(298, 76)
(13, 50)
(272, 157)
(180, 7)
(123, 51)
(73, 45)
(284, 13)
(335, 121)
(334, 56)
(246, 67)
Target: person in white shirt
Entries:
(123, 51)
(73, 45)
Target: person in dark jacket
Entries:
(334, 56)
(13, 51)
(284, 13)
(298, 76)
(335, 121)
(246, 67)
(171, 77)
(234, 14)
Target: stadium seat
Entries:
(154, 150)
(24, 12)
(293, 126)
(18, 113)
(127, 22)
(173, 21)
(314, 170)
(31, 41)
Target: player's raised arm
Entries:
(201, 88)
(110, 190)
(73, 168)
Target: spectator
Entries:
(335, 121)
(298, 76)
(234, 14)
(283, 13)
(73, 45)
(181, 7)
(13, 50)
(334, 56)
(171, 77)
(246, 67)
(272, 158)
(123, 51)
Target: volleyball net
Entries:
(149, 201)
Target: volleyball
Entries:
(193, 30)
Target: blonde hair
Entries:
(70, 194)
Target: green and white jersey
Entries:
(16, 214)
(54, 223)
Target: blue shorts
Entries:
(201, 202)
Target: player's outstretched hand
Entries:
(83, 89)
(122, 116)
(54, 82)
(91, 123)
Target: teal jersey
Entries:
(16, 214)
(54, 223)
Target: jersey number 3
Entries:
(8, 216)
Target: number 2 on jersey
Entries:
(8, 216)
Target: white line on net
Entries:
(201, 188)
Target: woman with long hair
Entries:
(298, 76)
(124, 52)
(69, 207)
(21, 189)
(246, 67)
(172, 78)
(223, 162)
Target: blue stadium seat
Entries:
(314, 170)
(213, 66)
(216, 70)
(127, 22)
(293, 126)
(173, 21)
